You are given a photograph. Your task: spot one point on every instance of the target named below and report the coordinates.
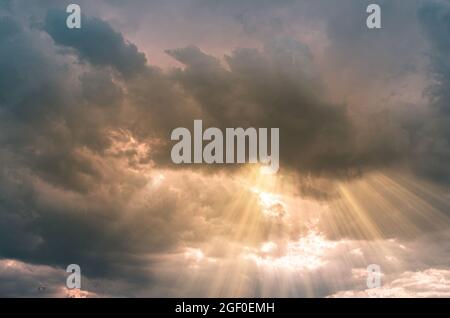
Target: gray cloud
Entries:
(434, 153)
(279, 87)
(96, 42)
(83, 145)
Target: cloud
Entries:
(96, 42)
(279, 87)
(20, 279)
(85, 173)
(256, 88)
(430, 283)
(433, 148)
(8, 27)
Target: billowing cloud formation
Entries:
(431, 283)
(113, 51)
(258, 89)
(24, 280)
(435, 19)
(86, 177)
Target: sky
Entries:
(86, 175)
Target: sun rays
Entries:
(254, 233)
(277, 242)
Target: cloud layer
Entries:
(86, 176)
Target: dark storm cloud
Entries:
(434, 147)
(69, 196)
(8, 27)
(6, 4)
(435, 18)
(279, 87)
(22, 280)
(53, 126)
(65, 189)
(38, 108)
(96, 42)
